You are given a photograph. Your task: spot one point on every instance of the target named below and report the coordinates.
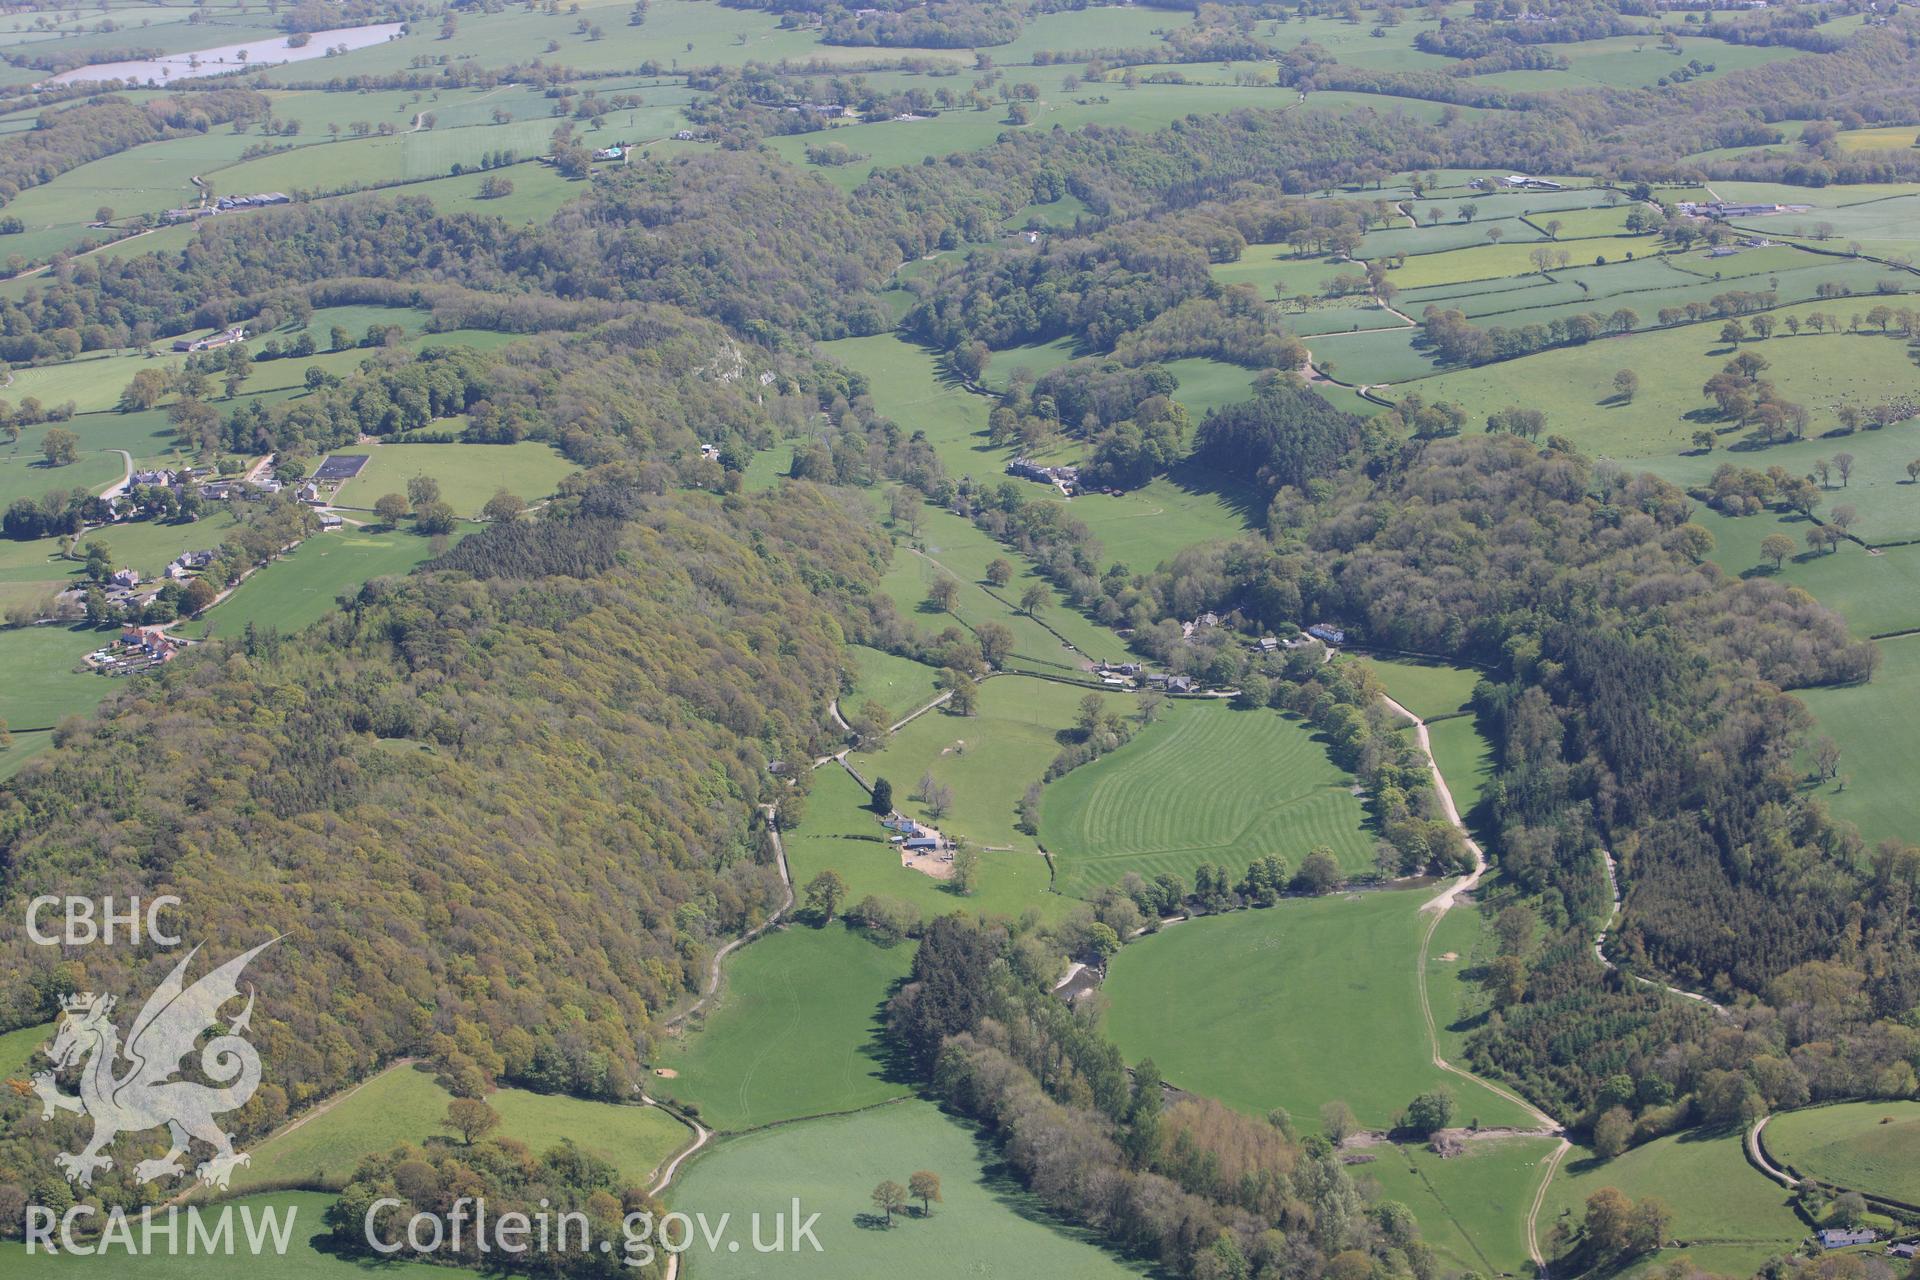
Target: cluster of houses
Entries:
(186, 562)
(138, 649)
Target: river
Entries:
(232, 57)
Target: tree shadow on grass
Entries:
(1000, 1181)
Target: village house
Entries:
(1327, 633)
(128, 578)
(150, 644)
(1062, 478)
(147, 477)
(1907, 1250)
(1839, 1238)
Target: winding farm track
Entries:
(1757, 1156)
(1438, 906)
(713, 966)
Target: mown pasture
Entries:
(1205, 783)
(796, 1032)
(1292, 1006)
(984, 1224)
(1864, 1146)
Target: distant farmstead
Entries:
(1327, 633)
(225, 338)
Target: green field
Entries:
(898, 684)
(1293, 1006)
(1864, 1146)
(988, 759)
(1203, 783)
(405, 1105)
(30, 475)
(18, 1046)
(1872, 725)
(1427, 689)
(301, 588)
(469, 474)
(796, 1033)
(842, 833)
(1573, 385)
(1473, 1207)
(986, 1224)
(1732, 1217)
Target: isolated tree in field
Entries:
(1913, 471)
(1762, 326)
(942, 593)
(890, 1198)
(1152, 703)
(1731, 332)
(966, 867)
(924, 1186)
(59, 446)
(882, 796)
(939, 799)
(422, 490)
(903, 505)
(1429, 1113)
(471, 1118)
(1704, 440)
(1776, 547)
(1625, 384)
(825, 892)
(503, 507)
(1822, 471)
(1826, 759)
(1843, 516)
(1843, 463)
(999, 572)
(391, 508)
(1034, 599)
(1338, 1122)
(995, 641)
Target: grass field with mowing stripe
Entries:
(986, 1224)
(1204, 783)
(797, 1032)
(1293, 1006)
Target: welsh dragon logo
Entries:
(145, 1094)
